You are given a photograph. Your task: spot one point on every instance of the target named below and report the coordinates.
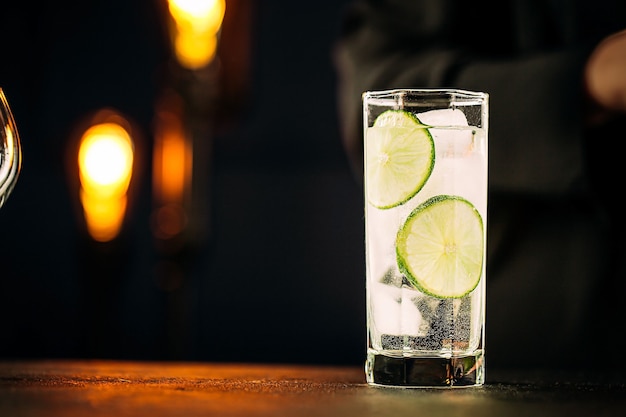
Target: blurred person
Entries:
(555, 71)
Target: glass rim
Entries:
(425, 93)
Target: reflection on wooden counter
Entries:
(116, 388)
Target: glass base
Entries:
(425, 371)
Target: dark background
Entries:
(279, 274)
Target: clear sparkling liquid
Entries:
(411, 332)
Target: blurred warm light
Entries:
(8, 133)
(172, 167)
(9, 154)
(172, 159)
(103, 216)
(195, 31)
(195, 51)
(105, 161)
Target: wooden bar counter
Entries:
(72, 388)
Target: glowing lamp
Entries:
(195, 29)
(105, 161)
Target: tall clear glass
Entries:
(425, 177)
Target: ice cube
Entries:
(451, 132)
(466, 177)
(394, 311)
(385, 308)
(443, 117)
(411, 317)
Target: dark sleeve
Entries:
(536, 140)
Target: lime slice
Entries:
(440, 247)
(397, 118)
(400, 156)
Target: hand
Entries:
(605, 74)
